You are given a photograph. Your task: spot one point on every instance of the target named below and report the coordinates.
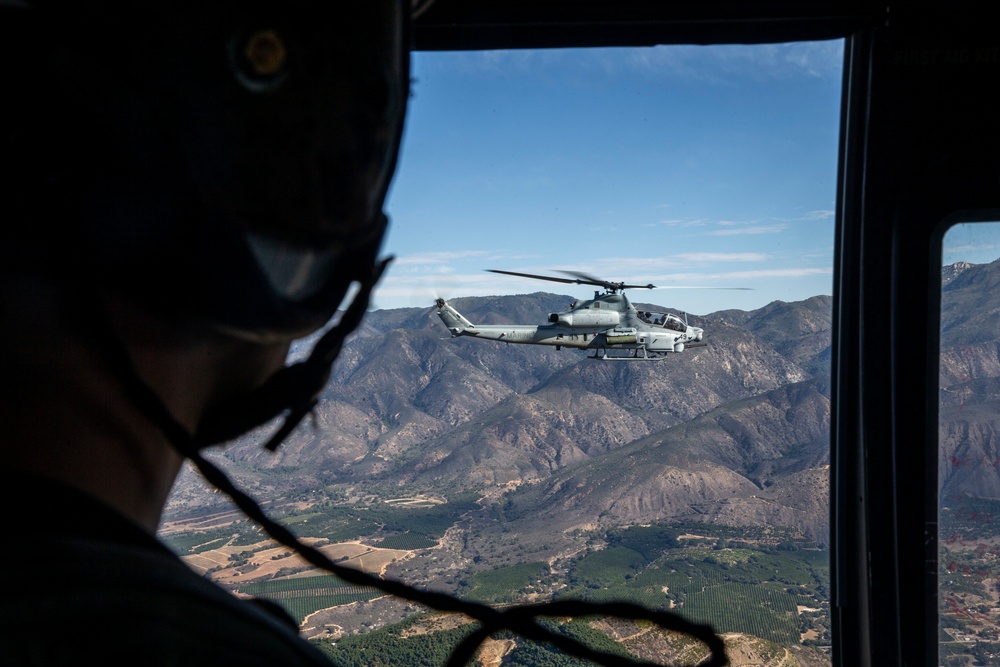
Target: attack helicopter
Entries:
(608, 324)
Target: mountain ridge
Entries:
(733, 432)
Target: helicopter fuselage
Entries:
(606, 323)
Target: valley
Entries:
(761, 586)
(511, 474)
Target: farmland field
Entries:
(505, 584)
(745, 583)
(407, 541)
(302, 596)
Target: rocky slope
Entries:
(735, 432)
(732, 432)
(969, 456)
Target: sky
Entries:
(973, 242)
(684, 166)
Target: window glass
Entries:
(969, 452)
(690, 477)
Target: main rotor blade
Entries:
(532, 275)
(607, 284)
(584, 279)
(623, 286)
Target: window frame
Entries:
(912, 150)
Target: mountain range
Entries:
(733, 433)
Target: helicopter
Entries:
(608, 324)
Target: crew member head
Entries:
(225, 160)
(180, 173)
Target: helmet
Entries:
(222, 162)
(225, 162)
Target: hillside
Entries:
(736, 429)
(729, 428)
(759, 461)
(970, 381)
(523, 473)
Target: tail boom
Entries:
(454, 320)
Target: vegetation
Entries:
(340, 522)
(506, 584)
(407, 541)
(389, 647)
(302, 596)
(968, 555)
(534, 654)
(412, 526)
(761, 610)
(754, 580)
(193, 543)
(964, 518)
(650, 541)
(734, 589)
(242, 532)
(395, 646)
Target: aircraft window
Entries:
(697, 482)
(969, 447)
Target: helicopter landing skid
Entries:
(602, 355)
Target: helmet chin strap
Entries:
(294, 389)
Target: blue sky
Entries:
(976, 242)
(709, 166)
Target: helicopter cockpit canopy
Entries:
(665, 320)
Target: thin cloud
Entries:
(721, 64)
(437, 258)
(970, 247)
(420, 291)
(735, 63)
(722, 257)
(734, 278)
(776, 273)
(679, 222)
(819, 215)
(750, 229)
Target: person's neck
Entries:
(64, 414)
(69, 416)
(86, 435)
